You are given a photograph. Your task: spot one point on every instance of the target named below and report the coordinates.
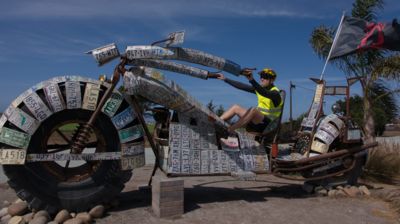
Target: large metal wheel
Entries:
(73, 185)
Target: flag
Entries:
(356, 35)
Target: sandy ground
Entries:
(226, 200)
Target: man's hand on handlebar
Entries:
(248, 73)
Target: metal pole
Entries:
(139, 114)
(290, 114)
(333, 45)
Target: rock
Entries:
(340, 194)
(19, 208)
(84, 216)
(62, 216)
(28, 217)
(332, 193)
(3, 212)
(18, 200)
(97, 211)
(53, 222)
(42, 213)
(16, 220)
(339, 187)
(5, 218)
(322, 192)
(352, 191)
(39, 220)
(73, 214)
(6, 203)
(364, 190)
(74, 221)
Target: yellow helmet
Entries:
(267, 73)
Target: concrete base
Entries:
(167, 196)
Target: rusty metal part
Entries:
(308, 163)
(81, 135)
(139, 114)
(315, 178)
(330, 155)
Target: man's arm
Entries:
(239, 85)
(275, 96)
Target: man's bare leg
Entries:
(253, 115)
(234, 110)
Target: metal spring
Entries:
(80, 138)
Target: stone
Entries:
(28, 217)
(16, 220)
(332, 193)
(53, 222)
(6, 203)
(39, 220)
(97, 211)
(339, 187)
(5, 219)
(340, 194)
(84, 216)
(18, 200)
(352, 191)
(322, 192)
(19, 208)
(364, 190)
(62, 216)
(3, 212)
(73, 214)
(74, 221)
(42, 213)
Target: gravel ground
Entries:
(226, 200)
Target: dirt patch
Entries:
(226, 200)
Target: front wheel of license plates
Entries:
(48, 115)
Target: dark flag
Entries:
(357, 35)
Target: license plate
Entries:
(324, 136)
(124, 118)
(14, 138)
(12, 156)
(24, 121)
(73, 94)
(37, 107)
(132, 162)
(54, 98)
(104, 54)
(112, 104)
(155, 52)
(91, 96)
(3, 120)
(133, 149)
(130, 134)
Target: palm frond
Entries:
(367, 9)
(321, 40)
(388, 68)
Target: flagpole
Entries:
(333, 45)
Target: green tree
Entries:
(384, 109)
(218, 111)
(369, 66)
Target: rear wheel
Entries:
(74, 185)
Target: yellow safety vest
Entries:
(267, 107)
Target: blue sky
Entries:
(42, 39)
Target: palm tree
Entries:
(369, 66)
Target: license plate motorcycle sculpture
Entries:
(72, 142)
